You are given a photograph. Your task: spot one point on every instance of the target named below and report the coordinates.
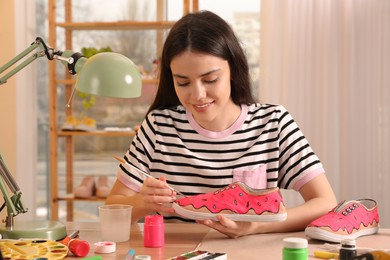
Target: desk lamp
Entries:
(104, 74)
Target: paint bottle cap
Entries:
(105, 247)
(295, 248)
(79, 247)
(295, 242)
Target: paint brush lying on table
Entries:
(144, 173)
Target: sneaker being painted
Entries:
(348, 220)
(237, 202)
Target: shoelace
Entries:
(350, 209)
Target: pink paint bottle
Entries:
(154, 235)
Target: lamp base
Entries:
(51, 230)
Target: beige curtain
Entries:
(328, 63)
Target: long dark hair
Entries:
(203, 32)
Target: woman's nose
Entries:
(198, 91)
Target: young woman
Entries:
(205, 131)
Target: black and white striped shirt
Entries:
(264, 148)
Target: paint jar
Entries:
(154, 231)
(295, 248)
(348, 249)
(78, 247)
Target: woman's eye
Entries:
(182, 84)
(211, 81)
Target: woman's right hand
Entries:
(157, 196)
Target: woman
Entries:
(205, 131)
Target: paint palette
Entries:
(31, 249)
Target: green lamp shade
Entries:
(109, 74)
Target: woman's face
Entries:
(202, 84)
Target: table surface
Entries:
(183, 237)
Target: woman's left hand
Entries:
(229, 227)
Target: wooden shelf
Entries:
(68, 27)
(120, 25)
(71, 197)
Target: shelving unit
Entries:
(69, 27)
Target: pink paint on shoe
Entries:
(348, 220)
(237, 201)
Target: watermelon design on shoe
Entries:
(348, 220)
(237, 202)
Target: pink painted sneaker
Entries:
(237, 202)
(348, 220)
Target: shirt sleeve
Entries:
(139, 155)
(298, 163)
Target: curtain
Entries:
(328, 63)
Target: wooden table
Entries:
(182, 238)
(270, 246)
(179, 238)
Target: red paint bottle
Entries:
(154, 235)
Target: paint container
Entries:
(154, 231)
(78, 247)
(295, 248)
(348, 249)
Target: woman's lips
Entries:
(202, 107)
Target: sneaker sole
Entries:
(321, 234)
(235, 217)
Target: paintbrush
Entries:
(144, 173)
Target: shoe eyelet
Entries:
(348, 210)
(345, 213)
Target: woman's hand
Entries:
(157, 196)
(229, 227)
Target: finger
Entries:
(161, 208)
(153, 186)
(155, 183)
(226, 222)
(220, 227)
(206, 222)
(221, 221)
(164, 180)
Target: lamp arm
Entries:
(13, 203)
(43, 50)
(105, 74)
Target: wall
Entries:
(8, 90)
(17, 99)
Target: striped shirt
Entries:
(264, 148)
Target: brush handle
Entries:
(143, 173)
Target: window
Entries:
(93, 154)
